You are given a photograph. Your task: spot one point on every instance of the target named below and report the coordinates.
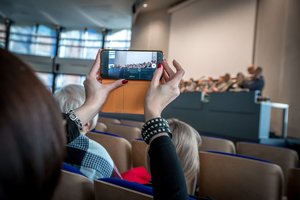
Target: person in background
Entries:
(88, 156)
(187, 142)
(257, 82)
(32, 138)
(238, 82)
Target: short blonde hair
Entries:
(187, 142)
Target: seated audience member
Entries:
(190, 87)
(238, 83)
(187, 142)
(31, 133)
(86, 155)
(257, 82)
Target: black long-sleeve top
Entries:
(167, 175)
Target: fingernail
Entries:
(124, 81)
(159, 65)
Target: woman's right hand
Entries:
(164, 88)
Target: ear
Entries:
(86, 127)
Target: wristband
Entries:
(155, 126)
(75, 119)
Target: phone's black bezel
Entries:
(104, 61)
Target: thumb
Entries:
(157, 75)
(115, 84)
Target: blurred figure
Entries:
(32, 138)
(223, 83)
(257, 82)
(191, 85)
(238, 83)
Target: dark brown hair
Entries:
(32, 137)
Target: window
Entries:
(64, 79)
(80, 44)
(34, 40)
(46, 78)
(2, 36)
(118, 39)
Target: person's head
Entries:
(240, 77)
(71, 97)
(251, 69)
(227, 77)
(32, 137)
(258, 71)
(187, 142)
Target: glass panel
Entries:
(35, 40)
(118, 39)
(64, 79)
(2, 35)
(80, 44)
(46, 78)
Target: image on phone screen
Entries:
(131, 65)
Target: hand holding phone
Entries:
(129, 64)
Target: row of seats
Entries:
(133, 154)
(222, 176)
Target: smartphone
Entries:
(129, 64)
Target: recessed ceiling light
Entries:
(145, 5)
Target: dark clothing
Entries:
(167, 175)
(257, 83)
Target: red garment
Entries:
(137, 174)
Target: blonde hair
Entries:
(187, 142)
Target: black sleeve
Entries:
(72, 130)
(167, 175)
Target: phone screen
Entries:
(129, 64)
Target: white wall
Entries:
(212, 37)
(278, 51)
(151, 31)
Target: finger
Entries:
(179, 73)
(96, 65)
(168, 69)
(166, 76)
(157, 75)
(115, 84)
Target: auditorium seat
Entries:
(100, 126)
(139, 153)
(217, 144)
(128, 132)
(73, 186)
(137, 124)
(226, 176)
(107, 120)
(293, 184)
(285, 158)
(118, 148)
(112, 189)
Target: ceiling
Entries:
(110, 14)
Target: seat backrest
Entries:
(293, 184)
(100, 126)
(127, 132)
(118, 148)
(285, 158)
(73, 186)
(111, 189)
(137, 124)
(226, 176)
(217, 144)
(107, 120)
(139, 153)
